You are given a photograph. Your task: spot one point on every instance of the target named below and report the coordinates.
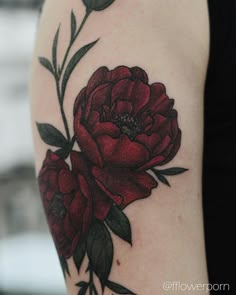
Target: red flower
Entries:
(125, 126)
(71, 199)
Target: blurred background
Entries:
(28, 260)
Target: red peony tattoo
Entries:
(125, 128)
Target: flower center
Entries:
(128, 125)
(57, 207)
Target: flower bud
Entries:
(97, 4)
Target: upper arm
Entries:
(140, 114)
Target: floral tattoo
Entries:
(125, 128)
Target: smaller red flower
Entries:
(71, 199)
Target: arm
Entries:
(109, 137)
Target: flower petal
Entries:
(98, 98)
(87, 144)
(172, 150)
(139, 74)
(159, 101)
(130, 185)
(66, 182)
(162, 145)
(122, 107)
(161, 125)
(122, 151)
(81, 97)
(149, 141)
(134, 91)
(118, 73)
(98, 78)
(152, 163)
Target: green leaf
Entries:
(119, 224)
(172, 171)
(83, 290)
(98, 4)
(79, 256)
(100, 250)
(54, 50)
(163, 179)
(64, 266)
(63, 153)
(73, 62)
(51, 135)
(82, 284)
(46, 63)
(118, 288)
(73, 25)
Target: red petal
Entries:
(162, 125)
(116, 198)
(101, 205)
(149, 141)
(174, 124)
(139, 74)
(119, 73)
(122, 151)
(79, 99)
(77, 209)
(131, 185)
(52, 160)
(87, 144)
(98, 78)
(79, 164)
(134, 91)
(159, 101)
(122, 106)
(162, 145)
(97, 98)
(106, 128)
(152, 163)
(66, 181)
(93, 118)
(172, 150)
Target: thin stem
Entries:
(74, 38)
(91, 286)
(62, 110)
(58, 75)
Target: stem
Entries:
(58, 76)
(62, 110)
(91, 285)
(74, 38)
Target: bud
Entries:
(97, 4)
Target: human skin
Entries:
(169, 40)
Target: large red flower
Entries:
(71, 199)
(125, 126)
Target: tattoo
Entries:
(125, 128)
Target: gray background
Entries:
(28, 261)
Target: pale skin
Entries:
(170, 40)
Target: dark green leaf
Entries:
(118, 288)
(54, 49)
(62, 153)
(73, 25)
(73, 62)
(162, 179)
(79, 256)
(46, 63)
(119, 224)
(82, 284)
(64, 266)
(172, 171)
(98, 4)
(83, 290)
(100, 250)
(51, 135)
